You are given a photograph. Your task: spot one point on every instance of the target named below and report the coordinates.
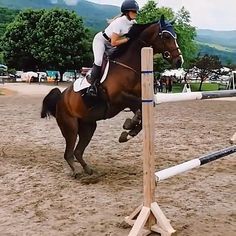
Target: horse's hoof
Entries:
(135, 131)
(88, 170)
(123, 137)
(76, 175)
(128, 124)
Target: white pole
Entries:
(177, 97)
(178, 169)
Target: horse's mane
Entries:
(133, 34)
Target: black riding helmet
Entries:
(129, 5)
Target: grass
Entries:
(178, 88)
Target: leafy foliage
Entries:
(52, 39)
(150, 12)
(186, 34)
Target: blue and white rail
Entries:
(178, 169)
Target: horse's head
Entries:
(162, 37)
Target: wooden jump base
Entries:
(189, 165)
(177, 97)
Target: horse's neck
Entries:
(132, 57)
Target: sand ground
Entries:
(39, 196)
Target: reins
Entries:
(124, 65)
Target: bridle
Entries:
(165, 54)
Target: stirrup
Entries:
(92, 91)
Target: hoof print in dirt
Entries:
(123, 225)
(92, 179)
(77, 175)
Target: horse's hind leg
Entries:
(69, 129)
(85, 131)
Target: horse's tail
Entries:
(50, 103)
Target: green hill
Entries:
(223, 38)
(6, 16)
(94, 15)
(220, 43)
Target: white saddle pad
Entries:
(82, 83)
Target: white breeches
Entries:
(99, 47)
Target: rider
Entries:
(113, 36)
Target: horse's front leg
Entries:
(125, 136)
(134, 124)
(130, 124)
(135, 105)
(85, 132)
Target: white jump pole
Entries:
(148, 217)
(177, 97)
(189, 165)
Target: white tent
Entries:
(27, 76)
(177, 72)
(225, 69)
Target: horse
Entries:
(77, 115)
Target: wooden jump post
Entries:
(148, 217)
(189, 165)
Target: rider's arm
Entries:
(117, 40)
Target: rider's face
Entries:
(132, 15)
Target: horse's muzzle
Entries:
(178, 62)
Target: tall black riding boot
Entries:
(95, 79)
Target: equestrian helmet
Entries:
(129, 5)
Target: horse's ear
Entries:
(162, 20)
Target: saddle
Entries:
(83, 82)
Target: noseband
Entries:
(167, 54)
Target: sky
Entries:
(205, 14)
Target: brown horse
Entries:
(76, 114)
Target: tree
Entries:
(52, 39)
(185, 32)
(18, 40)
(186, 35)
(150, 12)
(206, 65)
